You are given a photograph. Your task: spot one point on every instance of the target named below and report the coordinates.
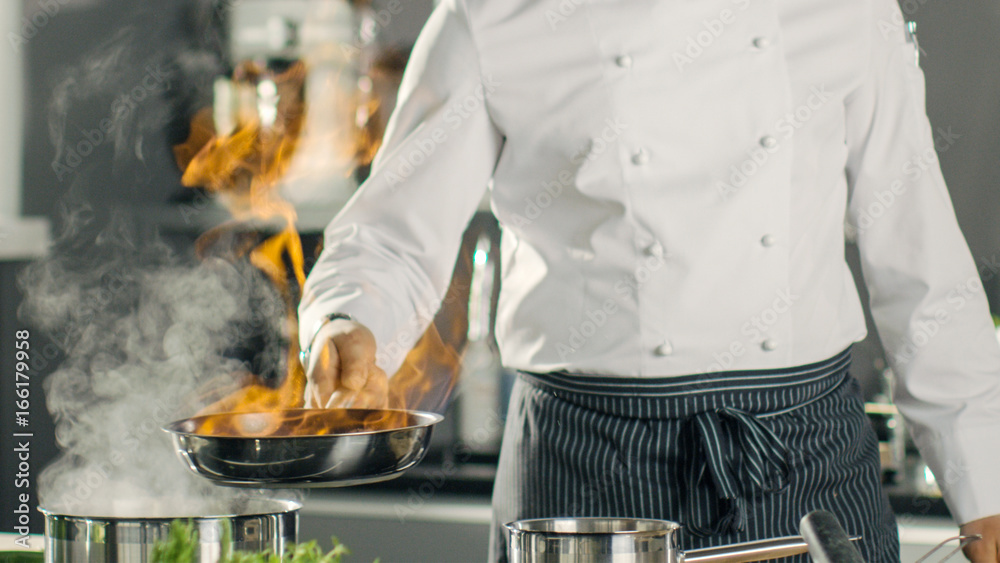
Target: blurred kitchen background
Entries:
(175, 57)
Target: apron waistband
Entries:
(760, 392)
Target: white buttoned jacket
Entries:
(673, 180)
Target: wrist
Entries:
(327, 320)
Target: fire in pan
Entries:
(303, 447)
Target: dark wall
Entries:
(140, 67)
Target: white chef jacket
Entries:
(673, 180)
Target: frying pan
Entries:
(303, 447)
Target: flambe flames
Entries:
(244, 168)
(301, 422)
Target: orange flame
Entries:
(244, 168)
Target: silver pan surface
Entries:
(303, 447)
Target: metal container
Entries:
(343, 447)
(264, 525)
(628, 540)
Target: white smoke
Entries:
(150, 336)
(146, 337)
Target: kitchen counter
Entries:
(425, 524)
(449, 527)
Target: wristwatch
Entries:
(305, 353)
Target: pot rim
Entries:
(665, 526)
(280, 507)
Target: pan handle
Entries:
(828, 542)
(761, 550)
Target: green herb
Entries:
(180, 546)
(182, 543)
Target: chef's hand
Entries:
(342, 370)
(986, 550)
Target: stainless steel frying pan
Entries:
(303, 447)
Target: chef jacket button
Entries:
(664, 349)
(655, 250)
(768, 142)
(624, 61)
(761, 42)
(768, 240)
(769, 345)
(640, 157)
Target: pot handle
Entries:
(828, 542)
(761, 550)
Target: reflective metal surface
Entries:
(586, 540)
(264, 525)
(627, 540)
(341, 456)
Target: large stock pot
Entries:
(258, 525)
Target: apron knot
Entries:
(736, 457)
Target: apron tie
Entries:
(740, 458)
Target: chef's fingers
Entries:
(982, 551)
(375, 394)
(323, 374)
(985, 549)
(357, 357)
(309, 396)
(340, 399)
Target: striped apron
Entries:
(733, 456)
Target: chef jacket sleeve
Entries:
(927, 299)
(389, 254)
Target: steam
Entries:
(148, 339)
(150, 336)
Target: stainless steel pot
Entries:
(304, 447)
(628, 540)
(262, 525)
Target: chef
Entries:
(675, 182)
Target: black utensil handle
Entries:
(828, 542)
